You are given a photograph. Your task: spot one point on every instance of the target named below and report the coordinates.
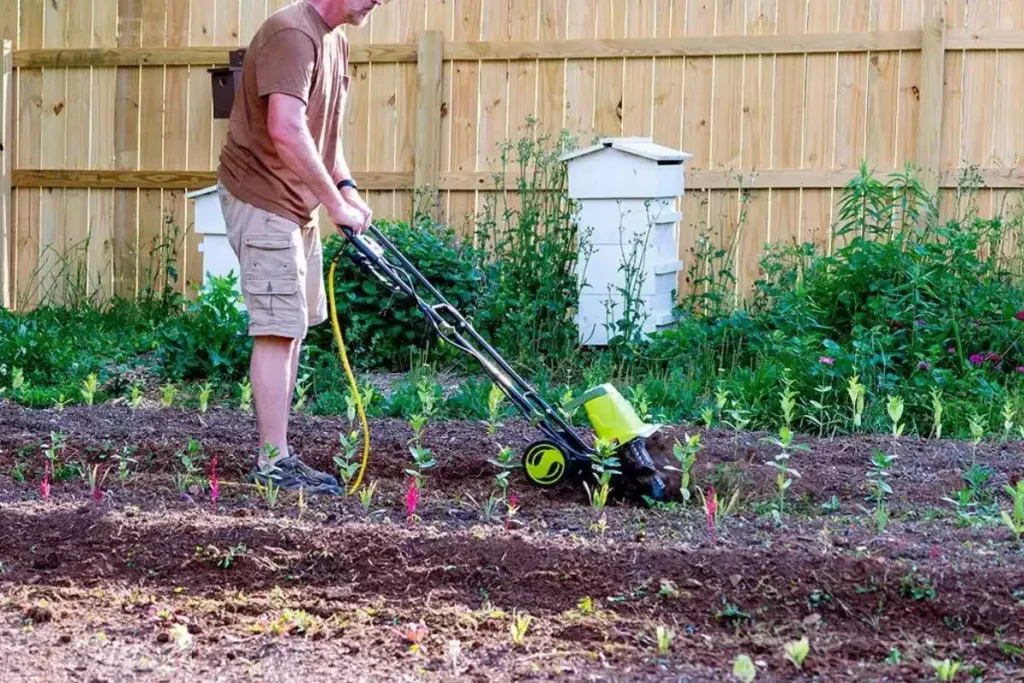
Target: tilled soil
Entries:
(149, 584)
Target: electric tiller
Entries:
(561, 456)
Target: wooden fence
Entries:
(112, 112)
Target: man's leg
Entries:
(270, 369)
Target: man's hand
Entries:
(344, 214)
(353, 199)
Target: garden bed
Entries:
(149, 584)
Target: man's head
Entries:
(352, 12)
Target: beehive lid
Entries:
(645, 148)
(200, 193)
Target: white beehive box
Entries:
(627, 189)
(218, 258)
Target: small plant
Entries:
(506, 462)
(18, 382)
(787, 402)
(605, 464)
(89, 386)
(878, 472)
(977, 427)
(937, 412)
(214, 484)
(44, 487)
(1015, 522)
(494, 399)
(412, 498)
(519, 626)
(301, 390)
(711, 511)
(423, 460)
(269, 492)
(738, 421)
(946, 669)
(797, 651)
(1009, 413)
(135, 400)
(204, 396)
(167, 394)
(917, 587)
(856, 392)
(123, 460)
(96, 482)
(53, 451)
(346, 461)
(665, 637)
(245, 401)
(366, 496)
(686, 455)
(488, 509)
(895, 410)
(780, 463)
(61, 402)
(743, 669)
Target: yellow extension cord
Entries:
(351, 378)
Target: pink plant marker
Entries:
(412, 497)
(97, 494)
(711, 507)
(513, 508)
(214, 484)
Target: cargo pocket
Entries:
(271, 284)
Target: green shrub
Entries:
(385, 330)
(210, 339)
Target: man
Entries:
(282, 160)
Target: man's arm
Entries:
(286, 121)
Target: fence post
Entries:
(929, 141)
(6, 200)
(428, 111)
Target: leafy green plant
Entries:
(856, 392)
(518, 627)
(937, 412)
(780, 463)
(89, 387)
(1015, 522)
(743, 669)
(346, 460)
(205, 392)
(945, 670)
(686, 456)
(301, 390)
(664, 636)
(878, 472)
(494, 399)
(167, 394)
(245, 400)
(895, 409)
(135, 399)
(797, 651)
(269, 492)
(604, 465)
(366, 496)
(787, 402)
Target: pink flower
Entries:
(924, 365)
(214, 484)
(951, 350)
(826, 360)
(1020, 369)
(412, 497)
(1019, 315)
(44, 488)
(711, 507)
(976, 359)
(97, 494)
(920, 323)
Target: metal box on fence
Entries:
(225, 82)
(628, 190)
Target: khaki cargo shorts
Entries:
(282, 279)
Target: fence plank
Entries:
(175, 134)
(933, 62)
(126, 149)
(6, 209)
(152, 101)
(102, 156)
(428, 111)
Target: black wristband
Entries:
(348, 182)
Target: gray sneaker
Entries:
(294, 463)
(291, 478)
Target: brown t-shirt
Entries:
(294, 52)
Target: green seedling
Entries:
(1009, 413)
(89, 386)
(346, 461)
(895, 410)
(787, 402)
(519, 626)
(878, 472)
(641, 402)
(366, 496)
(204, 397)
(506, 461)
(856, 392)
(686, 455)
(819, 407)
(135, 400)
(785, 473)
(425, 391)
(977, 427)
(18, 382)
(269, 493)
(61, 402)
(301, 390)
(489, 508)
(604, 464)
(423, 460)
(946, 669)
(721, 399)
(665, 637)
(937, 412)
(494, 401)
(797, 651)
(245, 402)
(708, 415)
(167, 394)
(1015, 522)
(743, 669)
